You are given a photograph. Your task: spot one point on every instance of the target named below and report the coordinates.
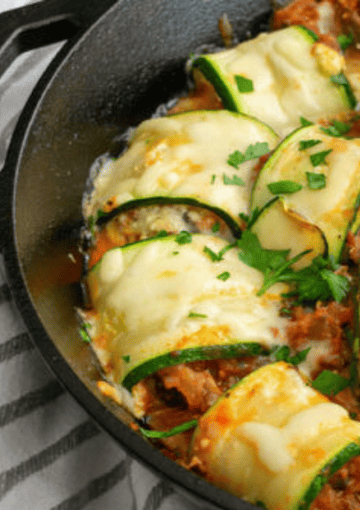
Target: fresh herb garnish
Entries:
(126, 358)
(213, 177)
(223, 276)
(253, 151)
(306, 144)
(345, 40)
(83, 330)
(183, 237)
(161, 233)
(318, 281)
(195, 315)
(234, 180)
(249, 219)
(243, 84)
(329, 383)
(315, 181)
(283, 354)
(284, 187)
(216, 257)
(319, 157)
(305, 123)
(161, 434)
(216, 227)
(337, 128)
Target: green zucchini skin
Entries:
(202, 316)
(190, 355)
(332, 209)
(274, 439)
(183, 157)
(269, 61)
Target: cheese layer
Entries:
(270, 435)
(184, 155)
(158, 297)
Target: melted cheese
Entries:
(183, 156)
(168, 297)
(270, 436)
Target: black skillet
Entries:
(121, 60)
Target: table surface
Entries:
(52, 455)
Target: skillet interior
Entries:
(127, 64)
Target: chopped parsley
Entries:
(126, 358)
(330, 383)
(183, 237)
(345, 40)
(283, 354)
(195, 315)
(234, 180)
(318, 281)
(213, 177)
(243, 84)
(305, 122)
(319, 157)
(253, 151)
(216, 257)
(306, 144)
(284, 187)
(223, 276)
(216, 227)
(161, 233)
(315, 181)
(83, 330)
(337, 128)
(249, 219)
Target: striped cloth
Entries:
(52, 455)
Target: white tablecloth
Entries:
(52, 455)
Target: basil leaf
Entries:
(306, 144)
(234, 180)
(315, 181)
(161, 434)
(329, 383)
(284, 187)
(243, 84)
(183, 237)
(319, 157)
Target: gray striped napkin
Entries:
(52, 455)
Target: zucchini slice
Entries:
(184, 157)
(279, 228)
(166, 301)
(272, 438)
(304, 159)
(279, 77)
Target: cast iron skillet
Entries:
(120, 62)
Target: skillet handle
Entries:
(44, 23)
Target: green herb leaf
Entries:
(161, 233)
(213, 177)
(283, 354)
(329, 383)
(162, 434)
(234, 180)
(337, 128)
(338, 284)
(305, 123)
(126, 358)
(83, 330)
(345, 40)
(319, 157)
(253, 151)
(195, 315)
(306, 144)
(216, 227)
(315, 181)
(223, 276)
(249, 219)
(243, 84)
(216, 257)
(284, 187)
(183, 237)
